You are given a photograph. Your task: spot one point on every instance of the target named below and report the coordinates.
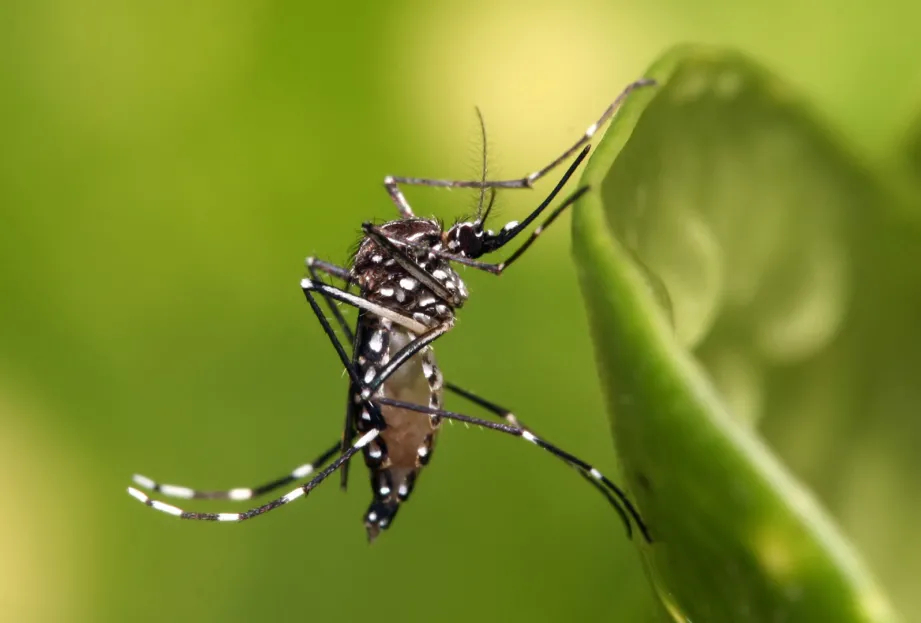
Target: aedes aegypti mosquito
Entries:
(408, 293)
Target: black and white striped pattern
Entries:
(294, 494)
(238, 493)
(391, 183)
(408, 296)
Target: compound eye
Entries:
(468, 240)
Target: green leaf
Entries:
(714, 246)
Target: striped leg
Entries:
(621, 497)
(330, 292)
(392, 182)
(238, 493)
(510, 418)
(255, 512)
(314, 267)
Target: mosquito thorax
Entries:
(388, 283)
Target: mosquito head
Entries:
(469, 239)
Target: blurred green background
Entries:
(164, 171)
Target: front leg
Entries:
(308, 285)
(315, 266)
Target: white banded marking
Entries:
(595, 474)
(137, 495)
(302, 471)
(367, 438)
(526, 434)
(242, 493)
(360, 303)
(166, 508)
(175, 491)
(228, 516)
(376, 343)
(143, 481)
(290, 497)
(409, 283)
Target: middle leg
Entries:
(512, 420)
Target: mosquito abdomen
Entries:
(407, 442)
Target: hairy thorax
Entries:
(384, 281)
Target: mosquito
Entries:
(407, 296)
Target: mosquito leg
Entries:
(531, 437)
(492, 407)
(333, 270)
(245, 493)
(260, 510)
(396, 195)
(239, 493)
(510, 418)
(528, 180)
(314, 267)
(309, 285)
(377, 418)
